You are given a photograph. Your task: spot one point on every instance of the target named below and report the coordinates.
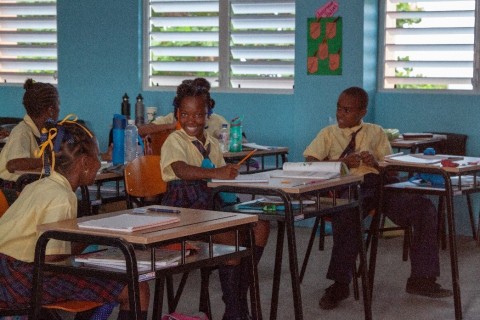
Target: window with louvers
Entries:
(28, 41)
(429, 45)
(238, 45)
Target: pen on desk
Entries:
(247, 156)
(164, 210)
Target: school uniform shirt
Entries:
(21, 143)
(50, 199)
(179, 147)
(213, 125)
(332, 140)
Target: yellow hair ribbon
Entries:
(52, 133)
(72, 118)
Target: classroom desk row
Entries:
(468, 169)
(91, 204)
(193, 225)
(191, 228)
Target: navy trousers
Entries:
(404, 210)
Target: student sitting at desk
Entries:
(41, 103)
(360, 146)
(189, 157)
(53, 199)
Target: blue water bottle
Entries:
(119, 124)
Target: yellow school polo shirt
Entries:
(179, 147)
(50, 199)
(21, 143)
(332, 140)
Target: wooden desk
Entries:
(194, 224)
(415, 146)
(288, 191)
(280, 155)
(447, 193)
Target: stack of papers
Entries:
(420, 158)
(114, 258)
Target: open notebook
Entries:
(128, 222)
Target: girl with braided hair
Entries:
(73, 157)
(189, 157)
(41, 103)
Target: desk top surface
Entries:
(294, 186)
(192, 222)
(408, 143)
(466, 165)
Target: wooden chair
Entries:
(143, 181)
(154, 141)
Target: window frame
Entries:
(223, 50)
(382, 7)
(49, 46)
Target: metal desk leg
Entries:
(277, 270)
(363, 262)
(158, 298)
(254, 284)
(472, 219)
(453, 257)
(293, 259)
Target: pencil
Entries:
(247, 156)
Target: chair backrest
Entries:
(154, 141)
(3, 203)
(143, 179)
(455, 144)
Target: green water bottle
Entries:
(235, 136)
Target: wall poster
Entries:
(324, 46)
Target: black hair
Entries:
(38, 97)
(199, 87)
(71, 140)
(358, 93)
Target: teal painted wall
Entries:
(99, 48)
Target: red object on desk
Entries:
(449, 163)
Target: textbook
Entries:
(114, 258)
(128, 222)
(311, 170)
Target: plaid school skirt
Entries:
(187, 194)
(16, 283)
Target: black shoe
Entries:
(427, 287)
(333, 295)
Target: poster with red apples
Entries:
(324, 46)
